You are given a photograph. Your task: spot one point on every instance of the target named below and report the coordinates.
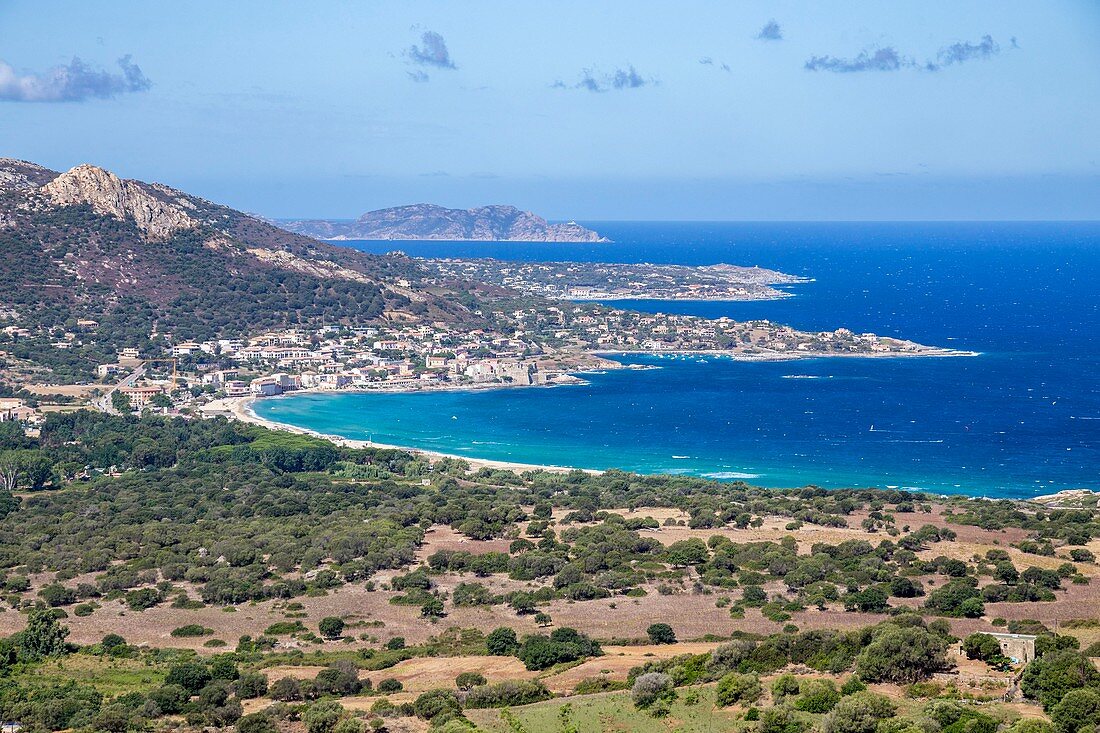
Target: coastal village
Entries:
(532, 346)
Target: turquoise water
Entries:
(1020, 420)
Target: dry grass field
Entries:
(372, 619)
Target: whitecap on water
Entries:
(730, 474)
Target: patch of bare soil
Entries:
(442, 537)
(617, 662)
(65, 390)
(426, 673)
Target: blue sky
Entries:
(588, 110)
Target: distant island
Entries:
(425, 221)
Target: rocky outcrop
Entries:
(19, 175)
(425, 221)
(150, 208)
(316, 267)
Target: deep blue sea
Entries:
(1019, 420)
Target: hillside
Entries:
(425, 221)
(139, 258)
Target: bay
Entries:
(1019, 420)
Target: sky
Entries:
(611, 110)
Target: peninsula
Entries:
(619, 281)
(425, 221)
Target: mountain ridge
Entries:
(141, 259)
(493, 223)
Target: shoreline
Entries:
(240, 408)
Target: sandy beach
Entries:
(240, 408)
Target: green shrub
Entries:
(508, 692)
(389, 684)
(736, 688)
(817, 696)
(661, 633)
(282, 628)
(860, 712)
(331, 627)
(651, 687)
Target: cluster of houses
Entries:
(627, 331)
(15, 410)
(422, 355)
(361, 358)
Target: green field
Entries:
(613, 712)
(110, 676)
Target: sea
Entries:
(1019, 420)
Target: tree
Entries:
(902, 655)
(563, 645)
(42, 637)
(868, 600)
(543, 619)
(1077, 710)
(687, 552)
(753, 595)
(251, 685)
(736, 688)
(469, 680)
(286, 689)
(331, 627)
(957, 598)
(170, 698)
(110, 642)
(1049, 677)
(502, 641)
(1080, 554)
(23, 469)
(902, 587)
(859, 713)
(340, 678)
(142, 599)
(982, 646)
(661, 633)
(1006, 572)
(191, 676)
(56, 595)
(121, 401)
(322, 717)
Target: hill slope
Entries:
(425, 221)
(142, 257)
